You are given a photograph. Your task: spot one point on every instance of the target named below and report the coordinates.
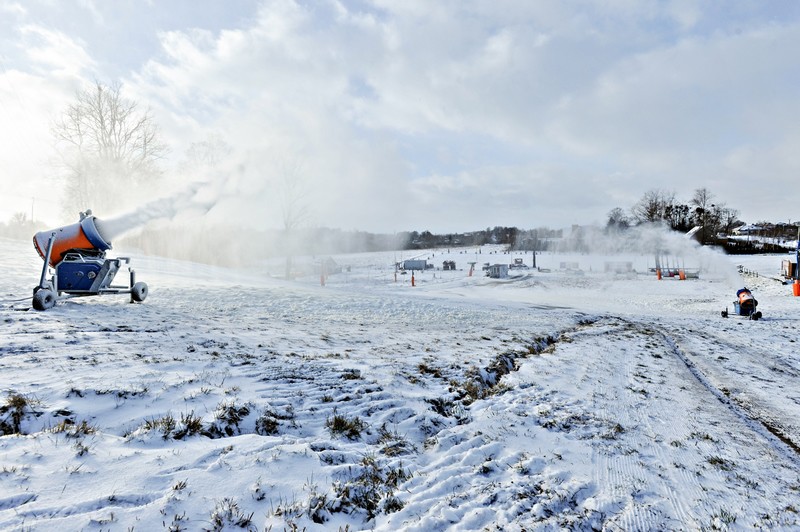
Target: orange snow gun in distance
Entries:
(745, 305)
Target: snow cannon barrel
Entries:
(84, 235)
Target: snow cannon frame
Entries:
(77, 255)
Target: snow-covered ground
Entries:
(572, 398)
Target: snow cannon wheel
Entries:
(724, 313)
(44, 299)
(139, 292)
(757, 315)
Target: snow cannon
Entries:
(744, 305)
(77, 256)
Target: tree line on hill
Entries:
(714, 222)
(659, 206)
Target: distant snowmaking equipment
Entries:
(77, 255)
(744, 305)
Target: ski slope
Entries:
(232, 399)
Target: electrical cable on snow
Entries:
(4, 301)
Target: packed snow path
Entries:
(539, 402)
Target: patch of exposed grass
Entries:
(227, 512)
(339, 426)
(13, 411)
(73, 430)
(721, 463)
(189, 426)
(425, 369)
(368, 484)
(227, 417)
(393, 443)
(165, 425)
(351, 374)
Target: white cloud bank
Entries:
(460, 115)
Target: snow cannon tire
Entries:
(139, 292)
(757, 315)
(44, 299)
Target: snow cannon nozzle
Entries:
(85, 235)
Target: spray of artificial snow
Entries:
(188, 201)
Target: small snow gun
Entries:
(744, 305)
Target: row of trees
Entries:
(659, 206)
(20, 227)
(513, 237)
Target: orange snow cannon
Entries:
(744, 305)
(77, 256)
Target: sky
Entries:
(418, 115)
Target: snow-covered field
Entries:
(572, 399)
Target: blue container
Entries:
(78, 276)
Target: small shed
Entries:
(415, 264)
(449, 265)
(328, 267)
(498, 271)
(788, 269)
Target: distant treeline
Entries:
(20, 227)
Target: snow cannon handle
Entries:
(50, 241)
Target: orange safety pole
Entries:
(412, 279)
(658, 273)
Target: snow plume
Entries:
(657, 241)
(189, 201)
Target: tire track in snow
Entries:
(756, 419)
(618, 467)
(766, 407)
(699, 454)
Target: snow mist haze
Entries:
(654, 241)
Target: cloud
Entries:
(55, 52)
(13, 8)
(456, 113)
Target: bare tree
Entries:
(652, 207)
(206, 154)
(294, 207)
(706, 213)
(617, 220)
(729, 219)
(702, 198)
(106, 146)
